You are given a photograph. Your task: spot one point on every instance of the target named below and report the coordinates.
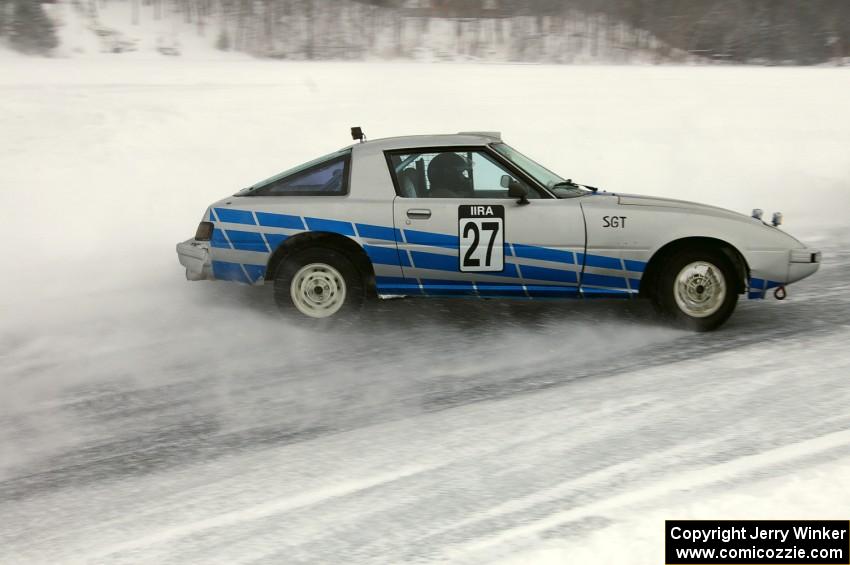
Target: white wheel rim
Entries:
(700, 289)
(318, 290)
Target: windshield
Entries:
(537, 171)
(293, 170)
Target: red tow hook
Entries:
(780, 293)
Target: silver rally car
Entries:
(468, 215)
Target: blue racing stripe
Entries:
(394, 281)
(435, 261)
(333, 226)
(275, 239)
(423, 260)
(499, 289)
(218, 240)
(280, 221)
(235, 216)
(382, 255)
(758, 287)
(634, 266)
(634, 284)
(509, 270)
(543, 253)
(604, 292)
(551, 291)
(545, 274)
(255, 272)
(602, 280)
(397, 285)
(600, 261)
(433, 239)
(226, 271)
(378, 232)
(247, 240)
(447, 288)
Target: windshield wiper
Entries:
(571, 184)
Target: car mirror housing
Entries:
(516, 190)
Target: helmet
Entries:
(446, 174)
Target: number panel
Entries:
(481, 235)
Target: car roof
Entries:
(440, 140)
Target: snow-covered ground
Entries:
(148, 419)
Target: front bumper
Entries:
(195, 257)
(793, 266)
(802, 263)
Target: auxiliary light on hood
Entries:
(758, 214)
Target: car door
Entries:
(460, 233)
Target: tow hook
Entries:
(780, 293)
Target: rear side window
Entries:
(328, 177)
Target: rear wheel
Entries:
(318, 283)
(696, 289)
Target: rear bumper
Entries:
(195, 257)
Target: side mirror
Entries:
(515, 189)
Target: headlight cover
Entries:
(805, 256)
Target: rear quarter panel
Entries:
(248, 229)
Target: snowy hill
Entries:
(346, 30)
(760, 32)
(109, 28)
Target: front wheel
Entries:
(319, 283)
(697, 290)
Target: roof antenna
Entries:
(357, 133)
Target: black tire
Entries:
(346, 276)
(703, 316)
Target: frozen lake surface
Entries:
(148, 419)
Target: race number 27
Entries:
(481, 232)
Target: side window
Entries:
(329, 178)
(448, 174)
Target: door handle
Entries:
(419, 213)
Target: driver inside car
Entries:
(448, 177)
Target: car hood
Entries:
(638, 200)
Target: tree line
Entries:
(26, 27)
(739, 31)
